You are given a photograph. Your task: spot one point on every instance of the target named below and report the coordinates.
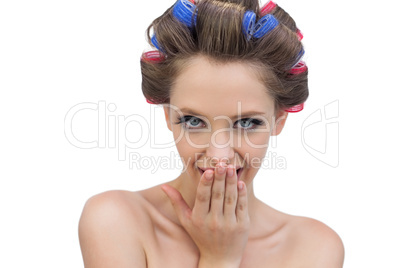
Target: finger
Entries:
(203, 195)
(180, 206)
(218, 190)
(229, 206)
(241, 208)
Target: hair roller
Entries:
(295, 109)
(248, 24)
(153, 56)
(267, 8)
(154, 42)
(183, 11)
(298, 58)
(299, 34)
(266, 24)
(299, 68)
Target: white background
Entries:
(55, 55)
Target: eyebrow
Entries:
(248, 113)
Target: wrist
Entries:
(205, 263)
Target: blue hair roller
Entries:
(183, 10)
(154, 42)
(299, 56)
(265, 25)
(248, 24)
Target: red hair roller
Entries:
(267, 8)
(153, 56)
(296, 108)
(299, 34)
(299, 68)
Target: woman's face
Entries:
(221, 111)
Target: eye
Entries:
(191, 122)
(249, 123)
(194, 121)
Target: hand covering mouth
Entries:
(238, 170)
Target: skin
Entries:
(195, 221)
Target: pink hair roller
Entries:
(152, 56)
(267, 8)
(299, 34)
(296, 108)
(299, 68)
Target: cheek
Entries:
(254, 148)
(255, 141)
(183, 148)
(258, 140)
(186, 145)
(194, 140)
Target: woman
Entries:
(227, 73)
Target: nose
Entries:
(221, 145)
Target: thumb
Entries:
(180, 206)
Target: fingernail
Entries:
(230, 171)
(221, 170)
(208, 175)
(241, 185)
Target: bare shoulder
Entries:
(108, 230)
(316, 244)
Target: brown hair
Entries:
(218, 35)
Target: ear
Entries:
(167, 117)
(280, 120)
